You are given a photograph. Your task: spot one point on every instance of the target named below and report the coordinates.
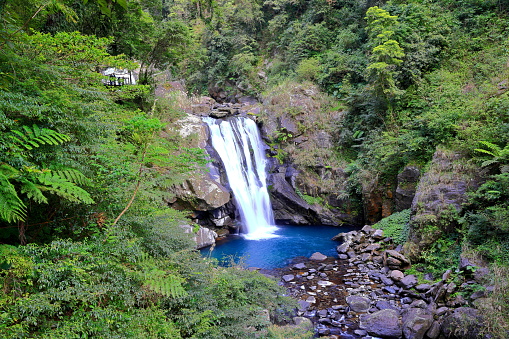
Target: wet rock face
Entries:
(290, 208)
(378, 200)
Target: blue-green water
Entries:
(291, 242)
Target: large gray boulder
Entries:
(203, 237)
(200, 193)
(383, 324)
(416, 322)
(358, 303)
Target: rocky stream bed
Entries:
(364, 293)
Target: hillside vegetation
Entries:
(89, 248)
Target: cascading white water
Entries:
(238, 143)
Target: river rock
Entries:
(343, 248)
(434, 330)
(464, 323)
(367, 229)
(311, 299)
(396, 275)
(384, 324)
(288, 277)
(318, 256)
(378, 235)
(386, 305)
(385, 280)
(423, 287)
(408, 281)
(397, 255)
(416, 322)
(358, 304)
(299, 266)
(303, 305)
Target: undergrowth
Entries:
(396, 226)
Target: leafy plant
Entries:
(31, 181)
(499, 155)
(396, 226)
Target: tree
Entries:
(166, 48)
(386, 54)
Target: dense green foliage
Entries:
(395, 226)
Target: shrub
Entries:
(308, 69)
(396, 226)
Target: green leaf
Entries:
(35, 136)
(122, 3)
(484, 151)
(33, 191)
(62, 187)
(12, 209)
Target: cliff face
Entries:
(306, 185)
(438, 200)
(309, 185)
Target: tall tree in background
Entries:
(386, 55)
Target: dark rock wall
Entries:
(438, 199)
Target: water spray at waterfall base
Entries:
(239, 145)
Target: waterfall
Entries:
(238, 143)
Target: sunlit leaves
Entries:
(386, 53)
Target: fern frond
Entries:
(73, 176)
(504, 169)
(485, 151)
(62, 187)
(495, 148)
(11, 207)
(489, 162)
(33, 191)
(34, 136)
(8, 171)
(169, 285)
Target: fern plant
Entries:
(31, 182)
(498, 155)
(166, 283)
(34, 136)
